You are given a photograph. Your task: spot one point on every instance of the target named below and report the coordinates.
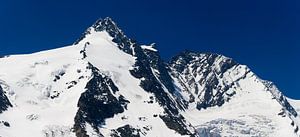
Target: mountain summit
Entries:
(106, 84)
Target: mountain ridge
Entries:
(113, 86)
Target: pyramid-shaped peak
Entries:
(107, 24)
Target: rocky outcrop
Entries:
(97, 103)
(4, 102)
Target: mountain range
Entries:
(108, 85)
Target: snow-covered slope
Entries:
(106, 84)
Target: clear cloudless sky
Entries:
(264, 34)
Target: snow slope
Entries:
(251, 112)
(105, 84)
(29, 83)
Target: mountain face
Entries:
(107, 84)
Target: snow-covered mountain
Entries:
(106, 84)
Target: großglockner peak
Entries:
(107, 84)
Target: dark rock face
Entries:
(288, 106)
(126, 131)
(210, 67)
(4, 102)
(97, 103)
(150, 83)
(161, 71)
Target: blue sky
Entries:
(264, 34)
